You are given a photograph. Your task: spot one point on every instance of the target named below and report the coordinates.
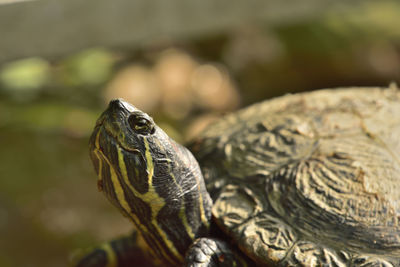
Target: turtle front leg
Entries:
(212, 252)
(120, 252)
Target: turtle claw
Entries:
(211, 252)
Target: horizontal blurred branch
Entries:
(53, 28)
(13, 1)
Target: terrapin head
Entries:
(120, 137)
(151, 179)
(302, 180)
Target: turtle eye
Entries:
(140, 124)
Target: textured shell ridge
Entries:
(323, 169)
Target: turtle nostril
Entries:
(119, 104)
(116, 104)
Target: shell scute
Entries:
(325, 169)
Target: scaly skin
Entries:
(302, 180)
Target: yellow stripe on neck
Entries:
(151, 198)
(150, 165)
(111, 257)
(96, 152)
(182, 214)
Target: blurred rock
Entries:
(187, 85)
(213, 89)
(176, 84)
(173, 70)
(137, 85)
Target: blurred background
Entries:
(185, 63)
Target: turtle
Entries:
(307, 179)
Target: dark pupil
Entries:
(139, 125)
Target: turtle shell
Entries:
(311, 179)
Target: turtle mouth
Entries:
(106, 157)
(103, 145)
